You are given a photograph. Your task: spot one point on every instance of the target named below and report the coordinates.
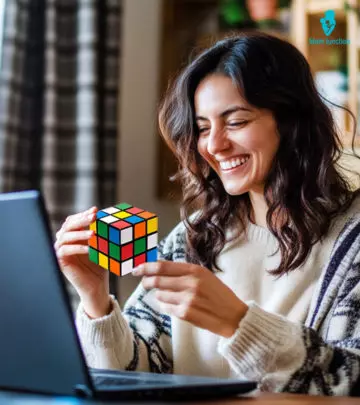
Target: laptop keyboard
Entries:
(107, 381)
(114, 381)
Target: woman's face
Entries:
(237, 140)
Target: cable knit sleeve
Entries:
(139, 338)
(321, 358)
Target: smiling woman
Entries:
(232, 141)
(257, 150)
(241, 99)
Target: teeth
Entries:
(233, 163)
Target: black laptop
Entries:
(39, 348)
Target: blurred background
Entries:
(81, 80)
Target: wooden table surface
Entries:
(285, 399)
(262, 399)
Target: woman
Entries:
(262, 281)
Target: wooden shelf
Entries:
(318, 7)
(306, 24)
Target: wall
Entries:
(139, 84)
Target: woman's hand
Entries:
(194, 294)
(89, 280)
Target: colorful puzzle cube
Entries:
(125, 236)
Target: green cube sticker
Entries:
(102, 229)
(114, 251)
(123, 206)
(93, 255)
(140, 246)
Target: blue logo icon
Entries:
(328, 22)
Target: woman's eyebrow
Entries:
(226, 112)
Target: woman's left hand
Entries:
(194, 294)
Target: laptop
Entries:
(40, 351)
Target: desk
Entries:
(262, 399)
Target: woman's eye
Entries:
(202, 130)
(237, 123)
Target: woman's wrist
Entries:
(97, 307)
(240, 314)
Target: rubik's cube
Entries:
(125, 237)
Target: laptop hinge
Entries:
(83, 391)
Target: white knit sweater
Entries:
(269, 343)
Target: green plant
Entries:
(233, 13)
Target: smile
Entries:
(232, 164)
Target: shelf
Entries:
(306, 16)
(318, 7)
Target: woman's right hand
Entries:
(89, 280)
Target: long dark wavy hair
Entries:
(303, 190)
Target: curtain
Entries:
(59, 101)
(21, 95)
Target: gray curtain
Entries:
(21, 95)
(58, 102)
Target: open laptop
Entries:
(39, 348)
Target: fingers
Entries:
(78, 221)
(170, 297)
(183, 306)
(187, 300)
(165, 268)
(80, 214)
(71, 237)
(165, 283)
(72, 230)
(175, 303)
(200, 318)
(70, 250)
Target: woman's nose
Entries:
(217, 141)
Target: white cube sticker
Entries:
(152, 241)
(126, 267)
(109, 219)
(126, 235)
(111, 210)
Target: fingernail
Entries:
(91, 216)
(91, 233)
(137, 271)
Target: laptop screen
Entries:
(39, 347)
